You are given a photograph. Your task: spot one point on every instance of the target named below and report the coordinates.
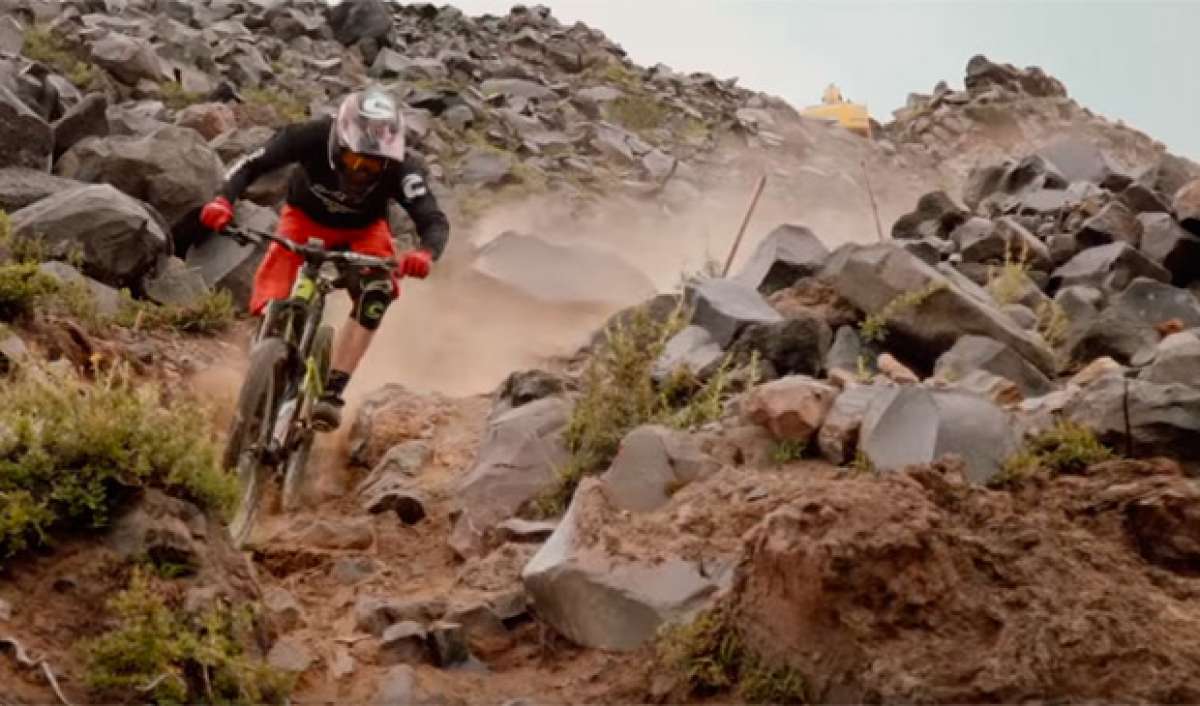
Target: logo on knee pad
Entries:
(373, 302)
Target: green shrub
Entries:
(873, 329)
(1066, 447)
(159, 653)
(71, 451)
(1007, 283)
(638, 112)
(783, 452)
(287, 107)
(175, 97)
(212, 314)
(43, 45)
(23, 287)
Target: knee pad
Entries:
(371, 301)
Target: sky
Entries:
(1133, 60)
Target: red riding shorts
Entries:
(278, 269)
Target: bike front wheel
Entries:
(296, 470)
(250, 431)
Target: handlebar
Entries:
(313, 251)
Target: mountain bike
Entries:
(272, 428)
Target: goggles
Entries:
(359, 163)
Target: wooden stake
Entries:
(874, 206)
(762, 182)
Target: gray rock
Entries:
(1140, 418)
(652, 463)
(870, 277)
(375, 615)
(1079, 303)
(1127, 326)
(838, 437)
(226, 265)
(404, 643)
(1062, 247)
(88, 118)
(1108, 267)
(482, 167)
(575, 273)
(390, 64)
(658, 165)
(106, 299)
(1166, 243)
(12, 351)
(936, 217)
(290, 654)
(515, 88)
(334, 534)
(282, 608)
(349, 570)
(1115, 223)
(520, 531)
(355, 20)
(120, 239)
(128, 59)
(846, 351)
(391, 496)
(524, 386)
(237, 143)
(609, 602)
(1176, 360)
(172, 169)
(1186, 206)
(926, 249)
(1044, 202)
(160, 528)
(1080, 160)
(448, 644)
(25, 138)
(1022, 315)
(404, 459)
(21, 186)
(1144, 199)
(915, 425)
(518, 460)
(979, 353)
(693, 348)
(795, 346)
(137, 119)
(725, 307)
(12, 35)
(788, 253)
(398, 687)
(176, 284)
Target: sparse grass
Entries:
(1007, 283)
(175, 97)
(287, 107)
(617, 74)
(710, 656)
(639, 113)
(1052, 323)
(862, 462)
(873, 328)
(784, 452)
(1067, 447)
(212, 314)
(71, 452)
(692, 130)
(43, 45)
(23, 289)
(618, 394)
(158, 652)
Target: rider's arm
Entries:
(289, 145)
(413, 193)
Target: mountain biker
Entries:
(352, 164)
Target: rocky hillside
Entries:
(931, 439)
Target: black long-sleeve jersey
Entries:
(315, 189)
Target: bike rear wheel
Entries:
(296, 470)
(250, 431)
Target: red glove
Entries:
(217, 213)
(416, 263)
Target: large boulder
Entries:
(692, 348)
(356, 20)
(1109, 267)
(1115, 223)
(1186, 206)
(518, 460)
(22, 186)
(128, 59)
(914, 425)
(788, 253)
(797, 345)
(791, 408)
(1140, 418)
(25, 139)
(652, 463)
(724, 307)
(88, 118)
(575, 273)
(1127, 326)
(607, 601)
(980, 240)
(119, 237)
(226, 265)
(1176, 360)
(980, 353)
(930, 308)
(1168, 244)
(838, 438)
(937, 216)
(1080, 160)
(172, 169)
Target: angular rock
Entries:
(375, 615)
(1114, 223)
(1022, 315)
(515, 88)
(12, 351)
(979, 353)
(226, 265)
(349, 570)
(448, 644)
(1186, 206)
(355, 20)
(838, 438)
(290, 655)
(980, 240)
(693, 348)
(390, 65)
(237, 143)
(791, 408)
(209, 119)
(1062, 247)
(1080, 160)
(1143, 199)
(88, 118)
(404, 643)
(871, 277)
(525, 386)
(106, 299)
(25, 138)
(1140, 418)
(390, 496)
(797, 345)
(1167, 243)
(176, 284)
(517, 461)
(21, 186)
(1108, 267)
(1127, 326)
(119, 238)
(1176, 360)
(788, 253)
(482, 167)
(12, 35)
(172, 169)
(574, 273)
(936, 217)
(138, 119)
(607, 602)
(652, 463)
(724, 308)
(846, 351)
(282, 608)
(524, 531)
(914, 425)
(334, 534)
(128, 59)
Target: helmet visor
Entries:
(374, 129)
